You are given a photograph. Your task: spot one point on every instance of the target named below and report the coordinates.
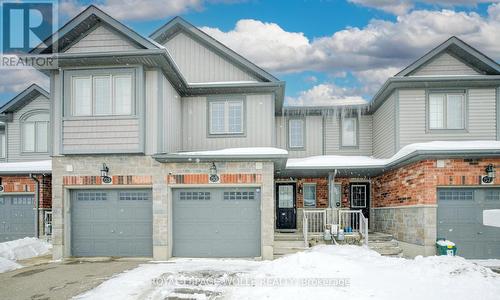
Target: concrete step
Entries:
(383, 244)
(288, 250)
(379, 237)
(390, 251)
(287, 244)
(288, 237)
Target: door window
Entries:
(358, 196)
(285, 196)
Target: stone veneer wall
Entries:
(405, 199)
(138, 170)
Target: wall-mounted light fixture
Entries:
(106, 179)
(213, 177)
(490, 171)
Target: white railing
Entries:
(305, 228)
(354, 221)
(316, 220)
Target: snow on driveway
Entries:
(324, 272)
(20, 249)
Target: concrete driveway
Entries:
(61, 280)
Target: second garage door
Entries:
(460, 219)
(216, 222)
(111, 223)
(17, 217)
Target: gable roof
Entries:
(23, 98)
(85, 22)
(171, 28)
(482, 63)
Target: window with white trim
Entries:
(309, 191)
(2, 145)
(296, 133)
(35, 133)
(349, 131)
(226, 117)
(446, 111)
(102, 94)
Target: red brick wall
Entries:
(23, 184)
(203, 178)
(117, 180)
(416, 183)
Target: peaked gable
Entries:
(444, 64)
(177, 25)
(85, 23)
(31, 93)
(461, 54)
(199, 64)
(101, 39)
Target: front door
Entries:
(286, 210)
(360, 197)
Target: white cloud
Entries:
(16, 80)
(378, 45)
(326, 95)
(136, 10)
(400, 7)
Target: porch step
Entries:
(384, 244)
(288, 244)
(281, 236)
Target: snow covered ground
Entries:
(15, 250)
(324, 272)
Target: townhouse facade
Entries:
(25, 166)
(176, 146)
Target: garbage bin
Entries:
(445, 247)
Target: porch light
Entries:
(104, 170)
(213, 169)
(490, 171)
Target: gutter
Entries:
(37, 203)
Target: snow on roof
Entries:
(223, 82)
(238, 151)
(44, 166)
(343, 161)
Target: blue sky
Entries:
(324, 50)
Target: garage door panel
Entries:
(17, 217)
(218, 222)
(111, 223)
(460, 220)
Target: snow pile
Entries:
(20, 249)
(8, 265)
(24, 248)
(26, 167)
(445, 243)
(345, 272)
(342, 161)
(238, 151)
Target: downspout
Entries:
(37, 204)
(331, 186)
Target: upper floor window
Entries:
(35, 133)
(446, 111)
(349, 132)
(226, 116)
(2, 145)
(296, 133)
(102, 94)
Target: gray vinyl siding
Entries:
(14, 142)
(444, 64)
(384, 128)
(172, 117)
(101, 135)
(259, 127)
(313, 136)
(101, 39)
(198, 64)
(332, 137)
(151, 104)
(480, 118)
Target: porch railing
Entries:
(314, 222)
